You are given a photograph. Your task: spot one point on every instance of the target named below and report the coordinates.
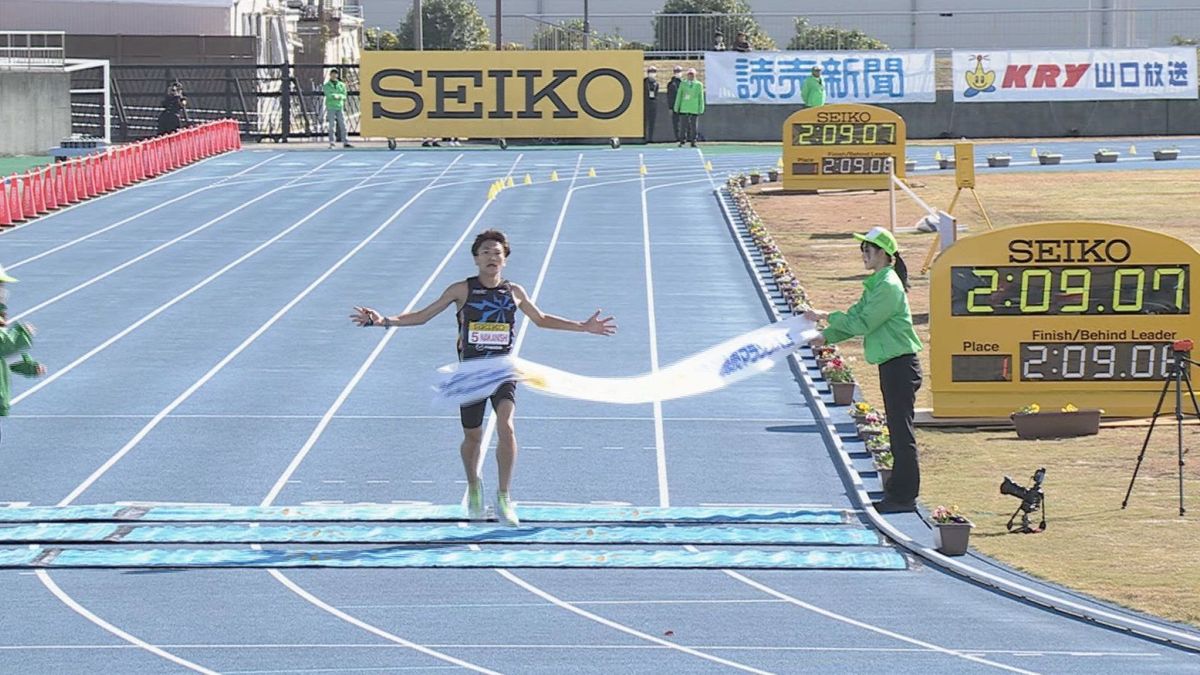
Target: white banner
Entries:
(984, 76)
(710, 370)
(850, 77)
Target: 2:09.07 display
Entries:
(1097, 290)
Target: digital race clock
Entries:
(842, 146)
(1057, 313)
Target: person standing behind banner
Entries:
(883, 319)
(649, 112)
(487, 315)
(672, 93)
(335, 107)
(813, 89)
(689, 103)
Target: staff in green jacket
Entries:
(689, 103)
(813, 89)
(13, 340)
(335, 107)
(882, 317)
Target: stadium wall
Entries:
(35, 111)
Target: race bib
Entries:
(480, 333)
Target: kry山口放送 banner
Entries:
(989, 76)
(849, 77)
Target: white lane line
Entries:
(245, 344)
(135, 216)
(150, 183)
(167, 244)
(46, 381)
(131, 639)
(491, 425)
(44, 577)
(268, 416)
(660, 445)
(845, 619)
(285, 477)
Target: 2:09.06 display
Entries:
(1096, 361)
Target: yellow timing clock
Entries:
(842, 146)
(1056, 313)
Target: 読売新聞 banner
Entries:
(850, 77)
(1074, 75)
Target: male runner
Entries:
(487, 305)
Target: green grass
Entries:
(21, 163)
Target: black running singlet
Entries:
(487, 322)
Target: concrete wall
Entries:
(35, 111)
(944, 119)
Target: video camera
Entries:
(1032, 500)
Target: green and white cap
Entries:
(881, 238)
(4, 278)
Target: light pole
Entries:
(418, 30)
(587, 28)
(499, 28)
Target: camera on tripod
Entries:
(1032, 500)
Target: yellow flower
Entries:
(1069, 408)
(1033, 407)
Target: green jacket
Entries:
(14, 340)
(335, 94)
(813, 92)
(881, 316)
(690, 98)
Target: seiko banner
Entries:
(985, 76)
(849, 77)
(569, 94)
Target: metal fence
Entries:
(268, 101)
(687, 35)
(26, 50)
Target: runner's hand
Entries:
(599, 326)
(365, 316)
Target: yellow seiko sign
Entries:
(842, 146)
(1078, 313)
(568, 94)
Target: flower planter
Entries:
(910, 165)
(772, 175)
(865, 432)
(754, 178)
(951, 538)
(1106, 157)
(946, 163)
(999, 160)
(1050, 158)
(843, 392)
(884, 475)
(1166, 154)
(1057, 424)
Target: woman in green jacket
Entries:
(14, 340)
(882, 317)
(689, 103)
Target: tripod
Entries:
(1179, 376)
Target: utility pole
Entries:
(418, 30)
(499, 21)
(587, 28)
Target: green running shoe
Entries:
(475, 509)
(505, 510)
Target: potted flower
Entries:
(1049, 158)
(861, 409)
(951, 531)
(825, 354)
(841, 380)
(1166, 154)
(773, 175)
(755, 177)
(872, 424)
(946, 162)
(1032, 423)
(910, 165)
(883, 466)
(880, 443)
(999, 160)
(1106, 156)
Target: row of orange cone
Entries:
(40, 191)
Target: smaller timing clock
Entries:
(1056, 313)
(842, 146)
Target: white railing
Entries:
(29, 50)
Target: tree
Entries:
(453, 25)
(696, 33)
(569, 35)
(379, 39)
(1181, 41)
(810, 37)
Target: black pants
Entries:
(690, 125)
(676, 126)
(899, 380)
(650, 115)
